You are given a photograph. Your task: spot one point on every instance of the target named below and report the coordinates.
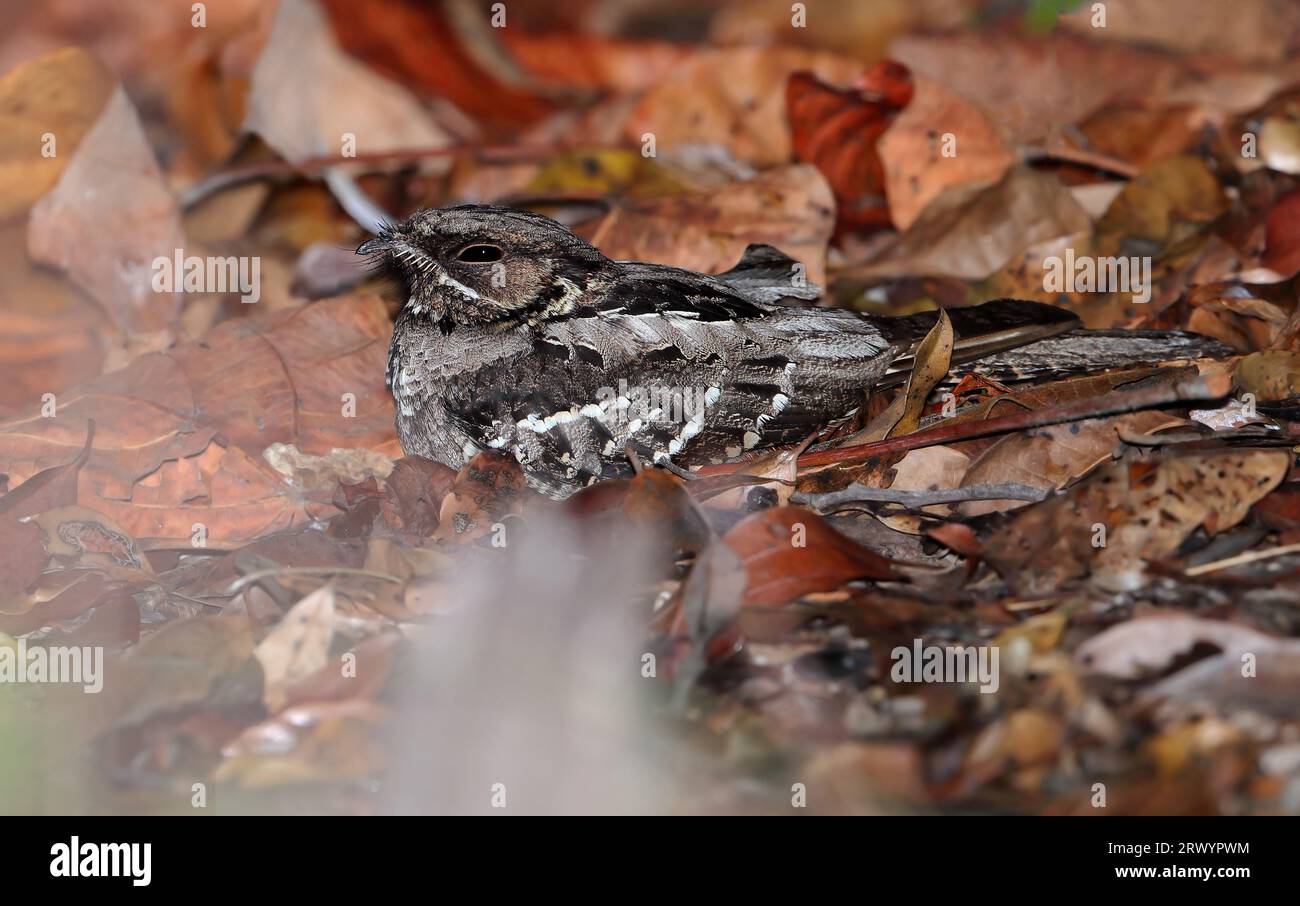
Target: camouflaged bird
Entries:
(518, 336)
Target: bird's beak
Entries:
(371, 246)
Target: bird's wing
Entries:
(569, 417)
(766, 274)
(679, 367)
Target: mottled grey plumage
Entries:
(518, 336)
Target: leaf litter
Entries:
(212, 495)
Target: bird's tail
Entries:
(1016, 340)
(1087, 351)
(1004, 339)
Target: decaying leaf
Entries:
(175, 666)
(298, 646)
(1128, 513)
(1052, 457)
(413, 493)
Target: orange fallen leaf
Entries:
(836, 130)
(789, 552)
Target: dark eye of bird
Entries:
(480, 254)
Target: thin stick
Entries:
(258, 575)
(1084, 158)
(1196, 388)
(1239, 559)
(263, 169)
(858, 493)
(193, 600)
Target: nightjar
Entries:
(518, 336)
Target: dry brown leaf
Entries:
(297, 647)
(1142, 135)
(1066, 390)
(307, 95)
(861, 30)
(659, 505)
(316, 475)
(413, 493)
(836, 130)
(1149, 645)
(933, 356)
(1052, 457)
(49, 488)
(22, 558)
(1252, 670)
(311, 377)
(1245, 29)
(1179, 192)
(54, 336)
(1246, 324)
(442, 52)
(108, 218)
(1130, 512)
(487, 489)
(1270, 375)
(174, 666)
(1282, 252)
(971, 231)
(1071, 78)
(361, 675)
(594, 61)
(788, 207)
(1279, 144)
(789, 552)
(61, 95)
(1024, 738)
(76, 536)
(912, 150)
(733, 96)
(610, 171)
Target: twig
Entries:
(246, 580)
(263, 169)
(359, 206)
(1239, 559)
(194, 600)
(1195, 388)
(1138, 439)
(1084, 158)
(858, 493)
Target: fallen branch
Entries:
(858, 493)
(277, 168)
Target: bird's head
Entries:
(483, 264)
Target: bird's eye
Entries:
(480, 254)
